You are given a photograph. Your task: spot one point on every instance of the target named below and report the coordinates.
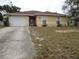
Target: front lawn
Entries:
(56, 45)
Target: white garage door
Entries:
(19, 21)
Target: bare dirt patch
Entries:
(66, 31)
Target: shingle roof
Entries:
(36, 13)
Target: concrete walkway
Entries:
(15, 43)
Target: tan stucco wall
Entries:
(63, 21)
(27, 20)
(52, 21)
(9, 20)
(38, 21)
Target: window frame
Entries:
(44, 18)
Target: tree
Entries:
(8, 9)
(1, 17)
(71, 7)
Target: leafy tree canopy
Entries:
(10, 9)
(71, 7)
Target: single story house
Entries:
(36, 18)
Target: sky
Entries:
(40, 5)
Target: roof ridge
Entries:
(34, 12)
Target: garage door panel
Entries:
(19, 21)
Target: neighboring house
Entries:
(36, 18)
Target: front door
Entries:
(32, 20)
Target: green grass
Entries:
(56, 45)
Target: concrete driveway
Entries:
(15, 43)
